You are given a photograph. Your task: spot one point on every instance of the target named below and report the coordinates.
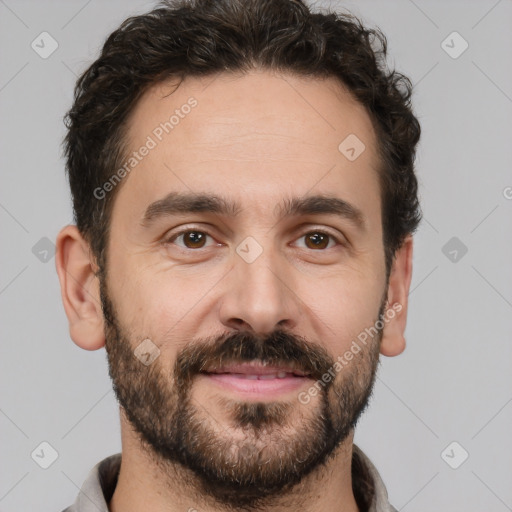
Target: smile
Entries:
(254, 380)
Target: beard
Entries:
(257, 451)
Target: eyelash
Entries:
(174, 236)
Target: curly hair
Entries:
(194, 38)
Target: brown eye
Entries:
(317, 240)
(191, 239)
(194, 239)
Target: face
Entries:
(245, 257)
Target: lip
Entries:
(255, 380)
(256, 368)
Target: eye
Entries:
(319, 240)
(190, 239)
(196, 239)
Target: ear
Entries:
(79, 289)
(393, 341)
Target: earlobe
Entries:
(79, 289)
(393, 340)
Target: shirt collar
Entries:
(101, 482)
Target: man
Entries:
(243, 183)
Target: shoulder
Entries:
(98, 487)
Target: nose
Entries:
(259, 296)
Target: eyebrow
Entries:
(182, 203)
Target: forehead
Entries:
(256, 135)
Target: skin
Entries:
(255, 139)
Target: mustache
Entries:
(279, 348)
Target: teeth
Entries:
(267, 377)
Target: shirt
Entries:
(99, 486)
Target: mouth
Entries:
(257, 380)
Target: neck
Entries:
(146, 484)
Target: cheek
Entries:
(344, 306)
(164, 302)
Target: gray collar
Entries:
(101, 482)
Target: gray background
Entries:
(453, 383)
